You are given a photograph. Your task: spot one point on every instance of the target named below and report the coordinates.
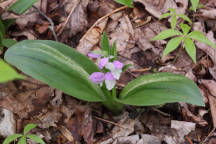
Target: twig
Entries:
(72, 10)
(163, 113)
(107, 121)
(101, 19)
(189, 140)
(51, 27)
(210, 134)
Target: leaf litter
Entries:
(80, 23)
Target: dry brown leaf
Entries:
(189, 116)
(92, 38)
(208, 13)
(77, 21)
(158, 7)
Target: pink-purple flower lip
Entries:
(109, 76)
(93, 55)
(103, 62)
(118, 64)
(97, 77)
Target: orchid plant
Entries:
(64, 68)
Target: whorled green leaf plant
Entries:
(64, 68)
(25, 136)
(184, 38)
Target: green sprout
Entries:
(25, 136)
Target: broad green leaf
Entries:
(160, 88)
(194, 4)
(20, 6)
(11, 138)
(8, 42)
(185, 28)
(105, 43)
(35, 138)
(7, 73)
(114, 50)
(173, 21)
(197, 35)
(190, 48)
(165, 15)
(186, 18)
(128, 3)
(172, 45)
(57, 65)
(29, 127)
(166, 34)
(22, 140)
(126, 66)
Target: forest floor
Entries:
(62, 119)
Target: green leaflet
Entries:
(173, 21)
(166, 34)
(197, 35)
(22, 140)
(11, 138)
(185, 28)
(172, 45)
(184, 17)
(194, 4)
(190, 49)
(160, 88)
(35, 138)
(28, 128)
(8, 42)
(57, 65)
(128, 3)
(21, 6)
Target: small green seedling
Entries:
(128, 3)
(185, 38)
(25, 136)
(174, 17)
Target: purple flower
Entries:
(97, 77)
(118, 64)
(103, 62)
(93, 55)
(109, 76)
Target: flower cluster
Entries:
(114, 70)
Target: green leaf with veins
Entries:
(185, 28)
(11, 138)
(166, 34)
(22, 140)
(173, 21)
(184, 17)
(165, 15)
(197, 35)
(194, 4)
(29, 127)
(172, 45)
(35, 138)
(190, 48)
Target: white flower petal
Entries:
(116, 73)
(110, 66)
(110, 84)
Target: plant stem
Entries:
(111, 102)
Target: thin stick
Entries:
(49, 20)
(107, 121)
(101, 19)
(72, 10)
(210, 134)
(189, 140)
